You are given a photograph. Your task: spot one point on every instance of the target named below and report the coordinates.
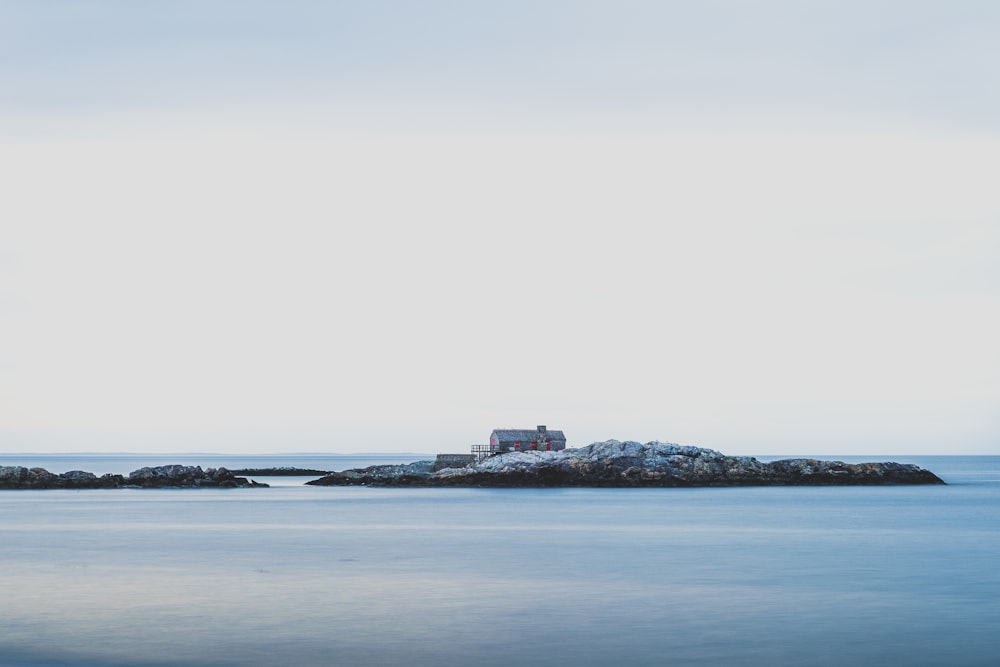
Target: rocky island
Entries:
(632, 464)
(159, 477)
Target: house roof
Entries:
(524, 435)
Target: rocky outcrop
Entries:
(187, 476)
(280, 471)
(406, 474)
(17, 477)
(633, 464)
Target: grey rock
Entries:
(186, 476)
(285, 471)
(18, 477)
(406, 474)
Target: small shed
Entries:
(523, 440)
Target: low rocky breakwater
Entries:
(633, 464)
(282, 471)
(159, 477)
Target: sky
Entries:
(764, 227)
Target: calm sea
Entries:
(300, 575)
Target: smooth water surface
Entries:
(357, 576)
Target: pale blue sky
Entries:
(763, 227)
(903, 60)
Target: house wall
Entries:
(529, 445)
(505, 440)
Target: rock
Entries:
(283, 471)
(633, 464)
(186, 476)
(407, 474)
(17, 477)
(79, 479)
(811, 471)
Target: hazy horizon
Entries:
(756, 227)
